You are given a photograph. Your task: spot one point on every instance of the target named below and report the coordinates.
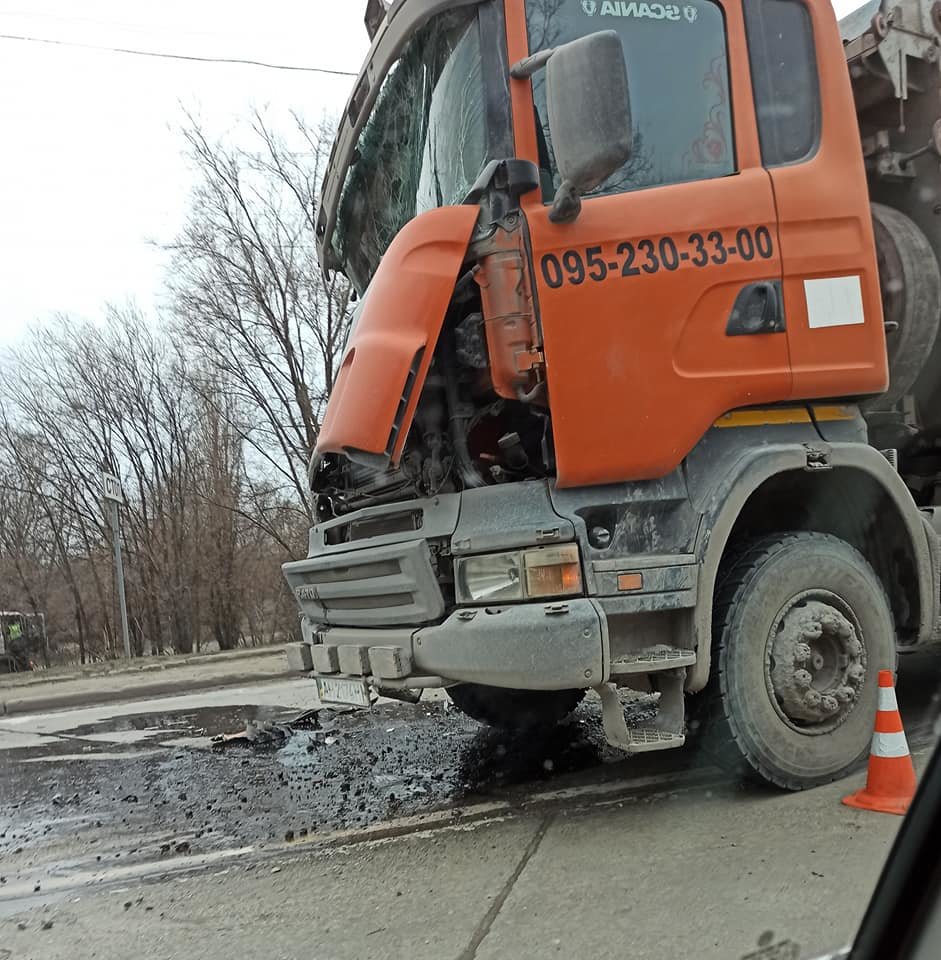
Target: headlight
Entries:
(497, 576)
(520, 575)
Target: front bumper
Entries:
(557, 645)
(377, 598)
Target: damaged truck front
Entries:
(432, 462)
(596, 424)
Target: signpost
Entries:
(113, 495)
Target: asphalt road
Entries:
(410, 831)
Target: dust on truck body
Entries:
(640, 390)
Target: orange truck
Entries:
(640, 390)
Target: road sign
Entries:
(111, 488)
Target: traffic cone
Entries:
(890, 784)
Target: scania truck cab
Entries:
(615, 413)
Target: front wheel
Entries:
(514, 709)
(801, 629)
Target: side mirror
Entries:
(589, 114)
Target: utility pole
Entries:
(114, 495)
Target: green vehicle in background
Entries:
(21, 636)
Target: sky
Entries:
(92, 175)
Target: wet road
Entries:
(152, 784)
(84, 794)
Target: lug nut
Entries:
(801, 652)
(802, 679)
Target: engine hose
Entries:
(457, 420)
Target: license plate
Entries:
(343, 690)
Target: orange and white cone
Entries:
(890, 784)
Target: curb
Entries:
(146, 666)
(45, 703)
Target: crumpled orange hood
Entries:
(390, 349)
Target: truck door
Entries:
(660, 304)
(810, 145)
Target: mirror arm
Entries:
(589, 145)
(529, 65)
(567, 204)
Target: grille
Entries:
(385, 585)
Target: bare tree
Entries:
(251, 302)
(208, 416)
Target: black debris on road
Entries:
(165, 796)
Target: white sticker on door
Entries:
(834, 302)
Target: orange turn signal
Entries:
(553, 571)
(630, 581)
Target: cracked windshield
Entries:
(467, 479)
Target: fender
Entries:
(724, 503)
(392, 343)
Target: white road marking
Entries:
(92, 755)
(57, 884)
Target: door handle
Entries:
(758, 308)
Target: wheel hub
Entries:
(818, 663)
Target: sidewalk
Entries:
(141, 678)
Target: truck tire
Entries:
(910, 282)
(514, 709)
(801, 629)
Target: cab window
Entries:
(784, 79)
(423, 146)
(677, 67)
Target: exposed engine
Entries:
(482, 417)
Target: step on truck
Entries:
(642, 386)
